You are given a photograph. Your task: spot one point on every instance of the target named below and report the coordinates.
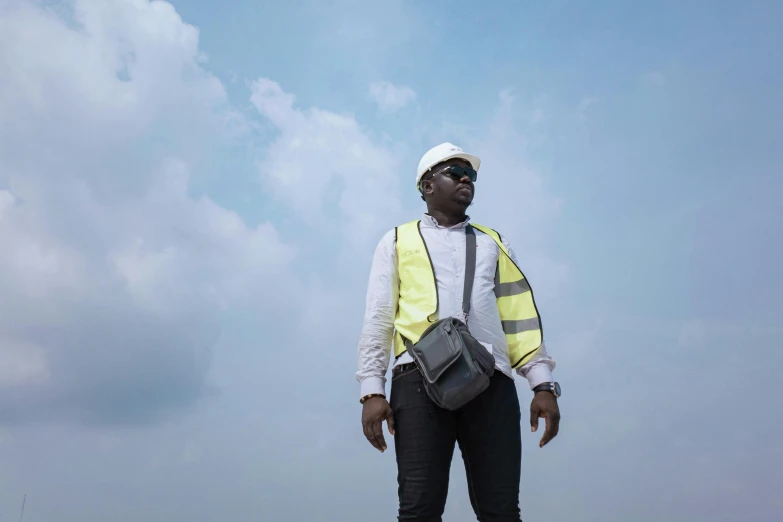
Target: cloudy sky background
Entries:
(190, 194)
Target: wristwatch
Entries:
(549, 386)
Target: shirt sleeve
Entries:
(380, 308)
(538, 369)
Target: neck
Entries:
(446, 219)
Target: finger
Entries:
(370, 434)
(552, 427)
(390, 423)
(533, 419)
(377, 429)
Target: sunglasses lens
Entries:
(458, 172)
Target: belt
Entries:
(403, 368)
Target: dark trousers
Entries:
(488, 432)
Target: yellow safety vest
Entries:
(418, 300)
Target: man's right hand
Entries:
(376, 410)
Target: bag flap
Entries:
(437, 350)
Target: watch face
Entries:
(557, 389)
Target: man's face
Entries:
(449, 188)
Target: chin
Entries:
(465, 199)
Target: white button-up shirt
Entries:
(446, 246)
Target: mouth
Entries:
(466, 189)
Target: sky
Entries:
(191, 192)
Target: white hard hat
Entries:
(440, 153)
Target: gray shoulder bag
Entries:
(455, 366)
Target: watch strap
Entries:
(548, 386)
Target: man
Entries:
(404, 296)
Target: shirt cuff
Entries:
(373, 385)
(538, 374)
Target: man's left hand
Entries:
(544, 405)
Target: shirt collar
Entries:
(430, 221)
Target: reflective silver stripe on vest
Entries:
(513, 288)
(509, 289)
(525, 325)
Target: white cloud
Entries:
(654, 79)
(513, 197)
(390, 97)
(22, 363)
(111, 274)
(6, 201)
(325, 166)
(585, 104)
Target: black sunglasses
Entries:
(457, 173)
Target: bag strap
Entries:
(470, 268)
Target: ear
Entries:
(426, 187)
